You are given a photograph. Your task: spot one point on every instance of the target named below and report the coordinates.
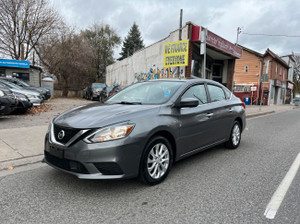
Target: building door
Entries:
(276, 95)
(217, 73)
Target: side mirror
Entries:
(188, 102)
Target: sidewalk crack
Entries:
(12, 148)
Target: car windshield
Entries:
(23, 83)
(98, 85)
(146, 93)
(11, 85)
(3, 86)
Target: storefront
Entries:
(278, 92)
(289, 92)
(21, 70)
(213, 57)
(206, 55)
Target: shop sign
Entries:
(277, 82)
(216, 42)
(253, 88)
(176, 53)
(290, 85)
(222, 44)
(14, 63)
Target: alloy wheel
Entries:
(236, 134)
(158, 160)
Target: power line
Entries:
(270, 35)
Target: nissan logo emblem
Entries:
(61, 134)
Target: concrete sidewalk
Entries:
(254, 110)
(19, 146)
(25, 145)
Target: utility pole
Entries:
(238, 32)
(203, 50)
(180, 25)
(180, 36)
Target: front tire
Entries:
(156, 161)
(235, 136)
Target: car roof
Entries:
(192, 80)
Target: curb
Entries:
(260, 114)
(10, 164)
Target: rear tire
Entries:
(156, 161)
(235, 136)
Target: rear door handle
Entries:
(209, 115)
(230, 110)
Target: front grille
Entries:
(66, 164)
(69, 133)
(109, 168)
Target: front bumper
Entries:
(108, 160)
(7, 105)
(36, 101)
(24, 105)
(46, 95)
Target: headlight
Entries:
(30, 96)
(1, 93)
(110, 133)
(21, 97)
(50, 126)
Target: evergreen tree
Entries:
(102, 39)
(132, 42)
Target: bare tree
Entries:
(23, 23)
(69, 57)
(296, 78)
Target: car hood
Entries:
(99, 115)
(25, 91)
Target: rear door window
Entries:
(216, 93)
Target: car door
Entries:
(194, 122)
(220, 113)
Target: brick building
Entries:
(254, 71)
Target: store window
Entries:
(196, 65)
(19, 75)
(2, 72)
(241, 88)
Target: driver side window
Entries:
(197, 92)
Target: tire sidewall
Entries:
(231, 145)
(145, 176)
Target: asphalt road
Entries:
(215, 186)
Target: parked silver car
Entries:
(34, 97)
(143, 129)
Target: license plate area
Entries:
(59, 153)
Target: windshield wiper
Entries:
(129, 103)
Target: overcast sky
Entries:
(157, 18)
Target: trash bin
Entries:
(247, 100)
(297, 102)
(48, 83)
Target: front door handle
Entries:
(209, 115)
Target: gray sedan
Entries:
(145, 128)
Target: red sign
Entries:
(217, 42)
(290, 85)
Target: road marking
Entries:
(279, 194)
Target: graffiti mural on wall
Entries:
(164, 73)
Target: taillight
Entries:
(244, 105)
